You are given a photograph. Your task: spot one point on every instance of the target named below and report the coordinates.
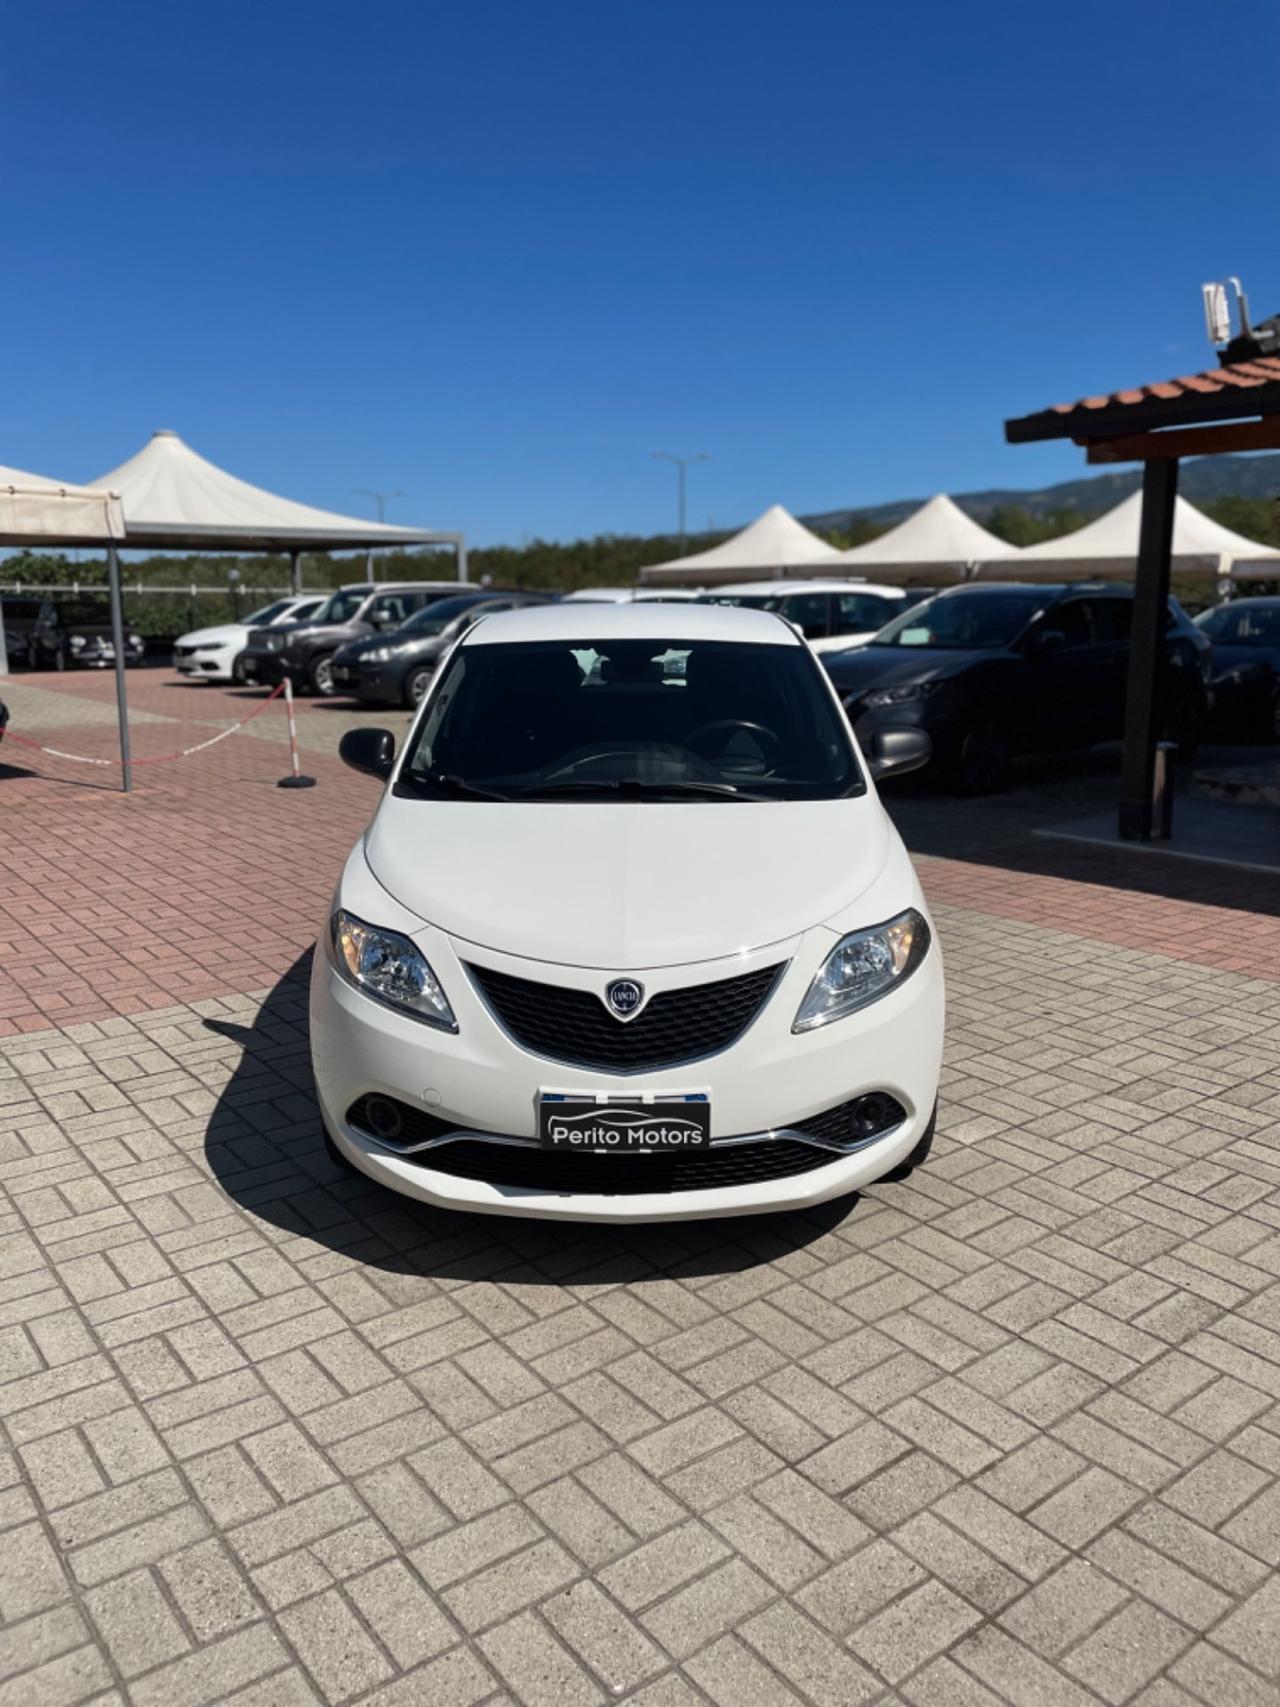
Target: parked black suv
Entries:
(396, 669)
(1246, 666)
(304, 651)
(51, 633)
(991, 671)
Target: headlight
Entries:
(273, 642)
(137, 640)
(896, 696)
(387, 966)
(862, 967)
(379, 655)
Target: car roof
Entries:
(399, 587)
(579, 621)
(1050, 590)
(833, 584)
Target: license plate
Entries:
(622, 1128)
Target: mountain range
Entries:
(1200, 481)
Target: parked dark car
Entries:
(992, 671)
(396, 669)
(304, 651)
(50, 633)
(1245, 680)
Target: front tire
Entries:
(60, 658)
(320, 675)
(237, 670)
(983, 758)
(1185, 726)
(415, 688)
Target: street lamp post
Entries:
(682, 475)
(380, 499)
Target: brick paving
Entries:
(1005, 1433)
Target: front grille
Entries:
(575, 1027)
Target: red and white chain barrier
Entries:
(164, 758)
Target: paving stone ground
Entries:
(1001, 1435)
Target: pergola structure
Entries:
(1231, 408)
(175, 499)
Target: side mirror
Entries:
(894, 752)
(372, 751)
(1052, 640)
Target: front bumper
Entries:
(211, 664)
(269, 669)
(758, 1087)
(372, 683)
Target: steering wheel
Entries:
(739, 725)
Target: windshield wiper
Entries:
(426, 780)
(636, 788)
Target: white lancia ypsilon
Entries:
(630, 936)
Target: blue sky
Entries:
(495, 254)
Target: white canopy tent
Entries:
(774, 544)
(939, 540)
(1107, 548)
(175, 498)
(37, 511)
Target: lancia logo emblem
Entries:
(624, 997)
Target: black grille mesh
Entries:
(574, 1026)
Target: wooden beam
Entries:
(1186, 441)
(1144, 689)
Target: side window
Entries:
(1073, 619)
(809, 613)
(390, 608)
(1113, 619)
(857, 613)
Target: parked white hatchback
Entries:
(213, 654)
(630, 936)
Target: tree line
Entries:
(554, 565)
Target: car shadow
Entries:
(264, 1146)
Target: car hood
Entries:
(224, 634)
(626, 885)
(882, 666)
(98, 630)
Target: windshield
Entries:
(633, 719)
(85, 611)
(1242, 625)
(966, 621)
(435, 618)
(342, 606)
(268, 613)
(748, 601)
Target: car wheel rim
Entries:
(418, 689)
(323, 676)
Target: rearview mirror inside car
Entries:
(894, 752)
(372, 751)
(1052, 640)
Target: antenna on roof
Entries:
(1217, 315)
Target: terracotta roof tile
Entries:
(1211, 395)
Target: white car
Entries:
(213, 654)
(833, 615)
(630, 937)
